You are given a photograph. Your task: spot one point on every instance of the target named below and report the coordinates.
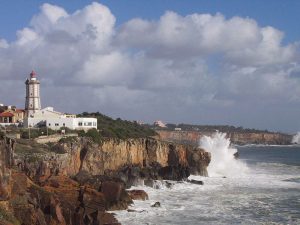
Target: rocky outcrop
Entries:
(6, 163)
(76, 181)
(138, 195)
(241, 138)
(48, 197)
(127, 160)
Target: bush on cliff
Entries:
(118, 128)
(36, 132)
(93, 134)
(1, 135)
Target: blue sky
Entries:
(201, 62)
(282, 14)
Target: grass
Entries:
(8, 217)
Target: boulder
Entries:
(199, 182)
(156, 204)
(138, 195)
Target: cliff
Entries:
(152, 158)
(59, 201)
(75, 180)
(192, 137)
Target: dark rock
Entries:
(169, 185)
(198, 161)
(174, 172)
(236, 155)
(138, 194)
(156, 204)
(149, 183)
(199, 182)
(133, 210)
(111, 190)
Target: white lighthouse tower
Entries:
(33, 101)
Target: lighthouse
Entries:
(33, 101)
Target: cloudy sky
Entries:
(201, 62)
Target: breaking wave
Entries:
(223, 162)
(296, 138)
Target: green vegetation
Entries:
(117, 128)
(33, 151)
(6, 216)
(211, 128)
(36, 132)
(25, 146)
(66, 140)
(1, 135)
(93, 134)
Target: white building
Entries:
(37, 117)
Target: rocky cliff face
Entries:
(47, 197)
(192, 137)
(75, 181)
(6, 163)
(125, 159)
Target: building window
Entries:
(49, 124)
(56, 124)
(64, 124)
(90, 124)
(79, 124)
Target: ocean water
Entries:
(262, 187)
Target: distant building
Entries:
(177, 129)
(159, 123)
(11, 115)
(47, 117)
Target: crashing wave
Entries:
(223, 162)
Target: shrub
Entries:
(94, 135)
(119, 128)
(30, 133)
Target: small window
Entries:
(64, 124)
(79, 124)
(56, 124)
(49, 124)
(90, 124)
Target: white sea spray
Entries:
(296, 138)
(223, 162)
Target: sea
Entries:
(261, 187)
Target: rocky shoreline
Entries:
(76, 181)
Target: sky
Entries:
(201, 62)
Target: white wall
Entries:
(85, 123)
(72, 123)
(55, 120)
(33, 122)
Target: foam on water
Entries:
(296, 138)
(223, 162)
(268, 193)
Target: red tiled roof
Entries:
(6, 114)
(20, 110)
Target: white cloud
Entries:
(185, 68)
(3, 43)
